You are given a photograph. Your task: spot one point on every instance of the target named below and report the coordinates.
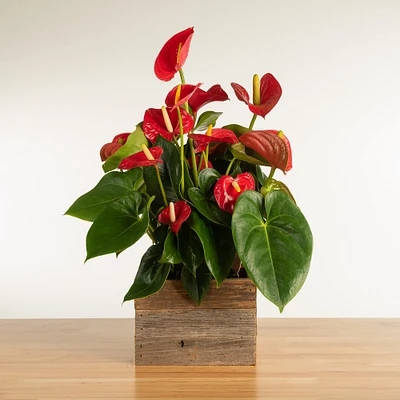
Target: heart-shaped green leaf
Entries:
(190, 248)
(151, 275)
(216, 263)
(170, 253)
(118, 227)
(133, 145)
(197, 287)
(111, 187)
(274, 243)
(206, 119)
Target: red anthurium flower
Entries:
(227, 189)
(154, 123)
(110, 148)
(272, 145)
(143, 158)
(173, 55)
(203, 164)
(270, 92)
(199, 98)
(175, 215)
(218, 135)
(183, 98)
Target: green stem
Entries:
(182, 76)
(183, 83)
(230, 166)
(151, 236)
(269, 179)
(161, 186)
(201, 162)
(182, 150)
(253, 120)
(206, 156)
(194, 165)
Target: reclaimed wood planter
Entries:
(171, 330)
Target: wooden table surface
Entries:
(357, 359)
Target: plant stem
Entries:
(194, 165)
(206, 157)
(182, 149)
(183, 83)
(182, 76)
(201, 162)
(230, 166)
(269, 179)
(151, 236)
(253, 120)
(161, 186)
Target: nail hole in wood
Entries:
(182, 343)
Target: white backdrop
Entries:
(75, 73)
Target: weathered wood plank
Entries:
(196, 323)
(195, 337)
(236, 293)
(205, 351)
(170, 329)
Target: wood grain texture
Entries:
(171, 330)
(237, 293)
(297, 359)
(195, 337)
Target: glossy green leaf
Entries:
(118, 227)
(136, 177)
(274, 243)
(153, 188)
(171, 253)
(239, 151)
(206, 119)
(261, 177)
(216, 262)
(111, 187)
(203, 198)
(207, 179)
(238, 130)
(198, 286)
(172, 161)
(151, 275)
(223, 240)
(209, 208)
(133, 145)
(160, 234)
(190, 248)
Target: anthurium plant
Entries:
(199, 192)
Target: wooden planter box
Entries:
(171, 330)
